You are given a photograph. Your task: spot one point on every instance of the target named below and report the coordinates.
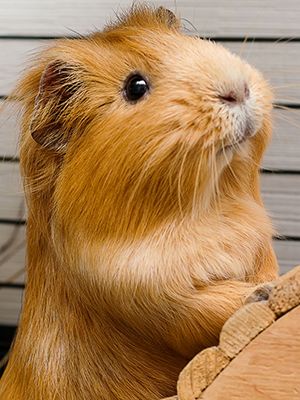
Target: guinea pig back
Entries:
(140, 154)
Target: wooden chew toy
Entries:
(258, 357)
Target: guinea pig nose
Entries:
(238, 95)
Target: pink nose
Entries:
(236, 95)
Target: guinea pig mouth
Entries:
(249, 130)
(233, 146)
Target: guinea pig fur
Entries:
(140, 154)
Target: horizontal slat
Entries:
(288, 253)
(11, 197)
(9, 131)
(13, 270)
(15, 56)
(211, 17)
(12, 258)
(284, 150)
(12, 263)
(12, 254)
(10, 306)
(283, 153)
(281, 194)
(280, 62)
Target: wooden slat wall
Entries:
(28, 25)
(230, 18)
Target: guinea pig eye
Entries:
(135, 87)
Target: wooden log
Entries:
(201, 372)
(268, 368)
(259, 352)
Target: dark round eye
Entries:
(135, 87)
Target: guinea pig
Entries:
(140, 154)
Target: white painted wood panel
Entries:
(284, 150)
(15, 57)
(12, 254)
(280, 62)
(13, 271)
(9, 131)
(12, 263)
(288, 253)
(10, 306)
(266, 18)
(281, 194)
(11, 193)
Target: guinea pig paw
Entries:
(260, 293)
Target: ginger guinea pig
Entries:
(140, 153)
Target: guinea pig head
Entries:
(139, 126)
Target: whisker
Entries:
(78, 34)
(197, 182)
(258, 165)
(216, 188)
(286, 111)
(191, 24)
(218, 200)
(284, 40)
(285, 118)
(175, 6)
(248, 49)
(179, 187)
(243, 46)
(227, 162)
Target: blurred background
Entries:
(266, 33)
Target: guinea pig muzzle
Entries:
(241, 112)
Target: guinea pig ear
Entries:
(168, 17)
(57, 87)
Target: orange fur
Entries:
(144, 232)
